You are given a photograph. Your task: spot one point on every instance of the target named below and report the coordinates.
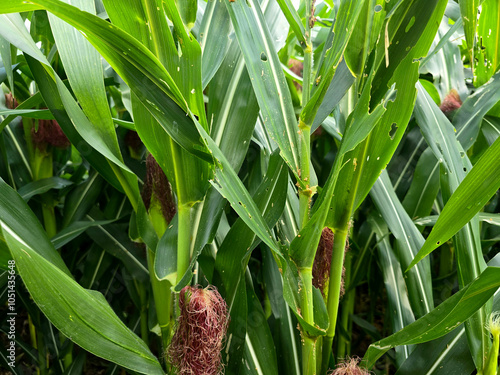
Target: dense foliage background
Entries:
(331, 168)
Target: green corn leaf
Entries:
(41, 114)
(82, 198)
(230, 186)
(424, 186)
(443, 41)
(449, 354)
(139, 69)
(6, 56)
(31, 102)
(13, 28)
(233, 107)
(468, 10)
(404, 26)
(234, 253)
(491, 129)
(443, 319)
(73, 230)
(468, 117)
(285, 335)
(270, 193)
(15, 217)
(359, 125)
(166, 253)
(233, 114)
(397, 294)
(341, 31)
(332, 52)
(472, 194)
(445, 147)
(84, 71)
(382, 143)
(214, 39)
(114, 240)
(488, 34)
(233, 110)
(375, 153)
(187, 74)
(487, 217)
(42, 186)
(409, 240)
(187, 174)
(82, 315)
(267, 77)
(16, 155)
(187, 10)
(364, 36)
(52, 98)
(381, 131)
(440, 135)
(341, 82)
(445, 63)
(260, 352)
(294, 20)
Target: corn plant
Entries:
(199, 187)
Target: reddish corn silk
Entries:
(201, 328)
(49, 133)
(157, 186)
(323, 261)
(10, 101)
(451, 102)
(349, 367)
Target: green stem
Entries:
(325, 353)
(339, 244)
(38, 343)
(68, 358)
(27, 125)
(334, 289)
(309, 355)
(309, 361)
(183, 241)
(306, 295)
(49, 219)
(162, 298)
(144, 312)
(33, 336)
(343, 345)
(491, 364)
(42, 355)
(307, 68)
(305, 190)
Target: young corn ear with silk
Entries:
(251, 187)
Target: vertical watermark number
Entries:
(11, 314)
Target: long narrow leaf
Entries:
(16, 216)
(443, 319)
(268, 79)
(468, 199)
(409, 240)
(82, 315)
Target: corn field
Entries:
(274, 187)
